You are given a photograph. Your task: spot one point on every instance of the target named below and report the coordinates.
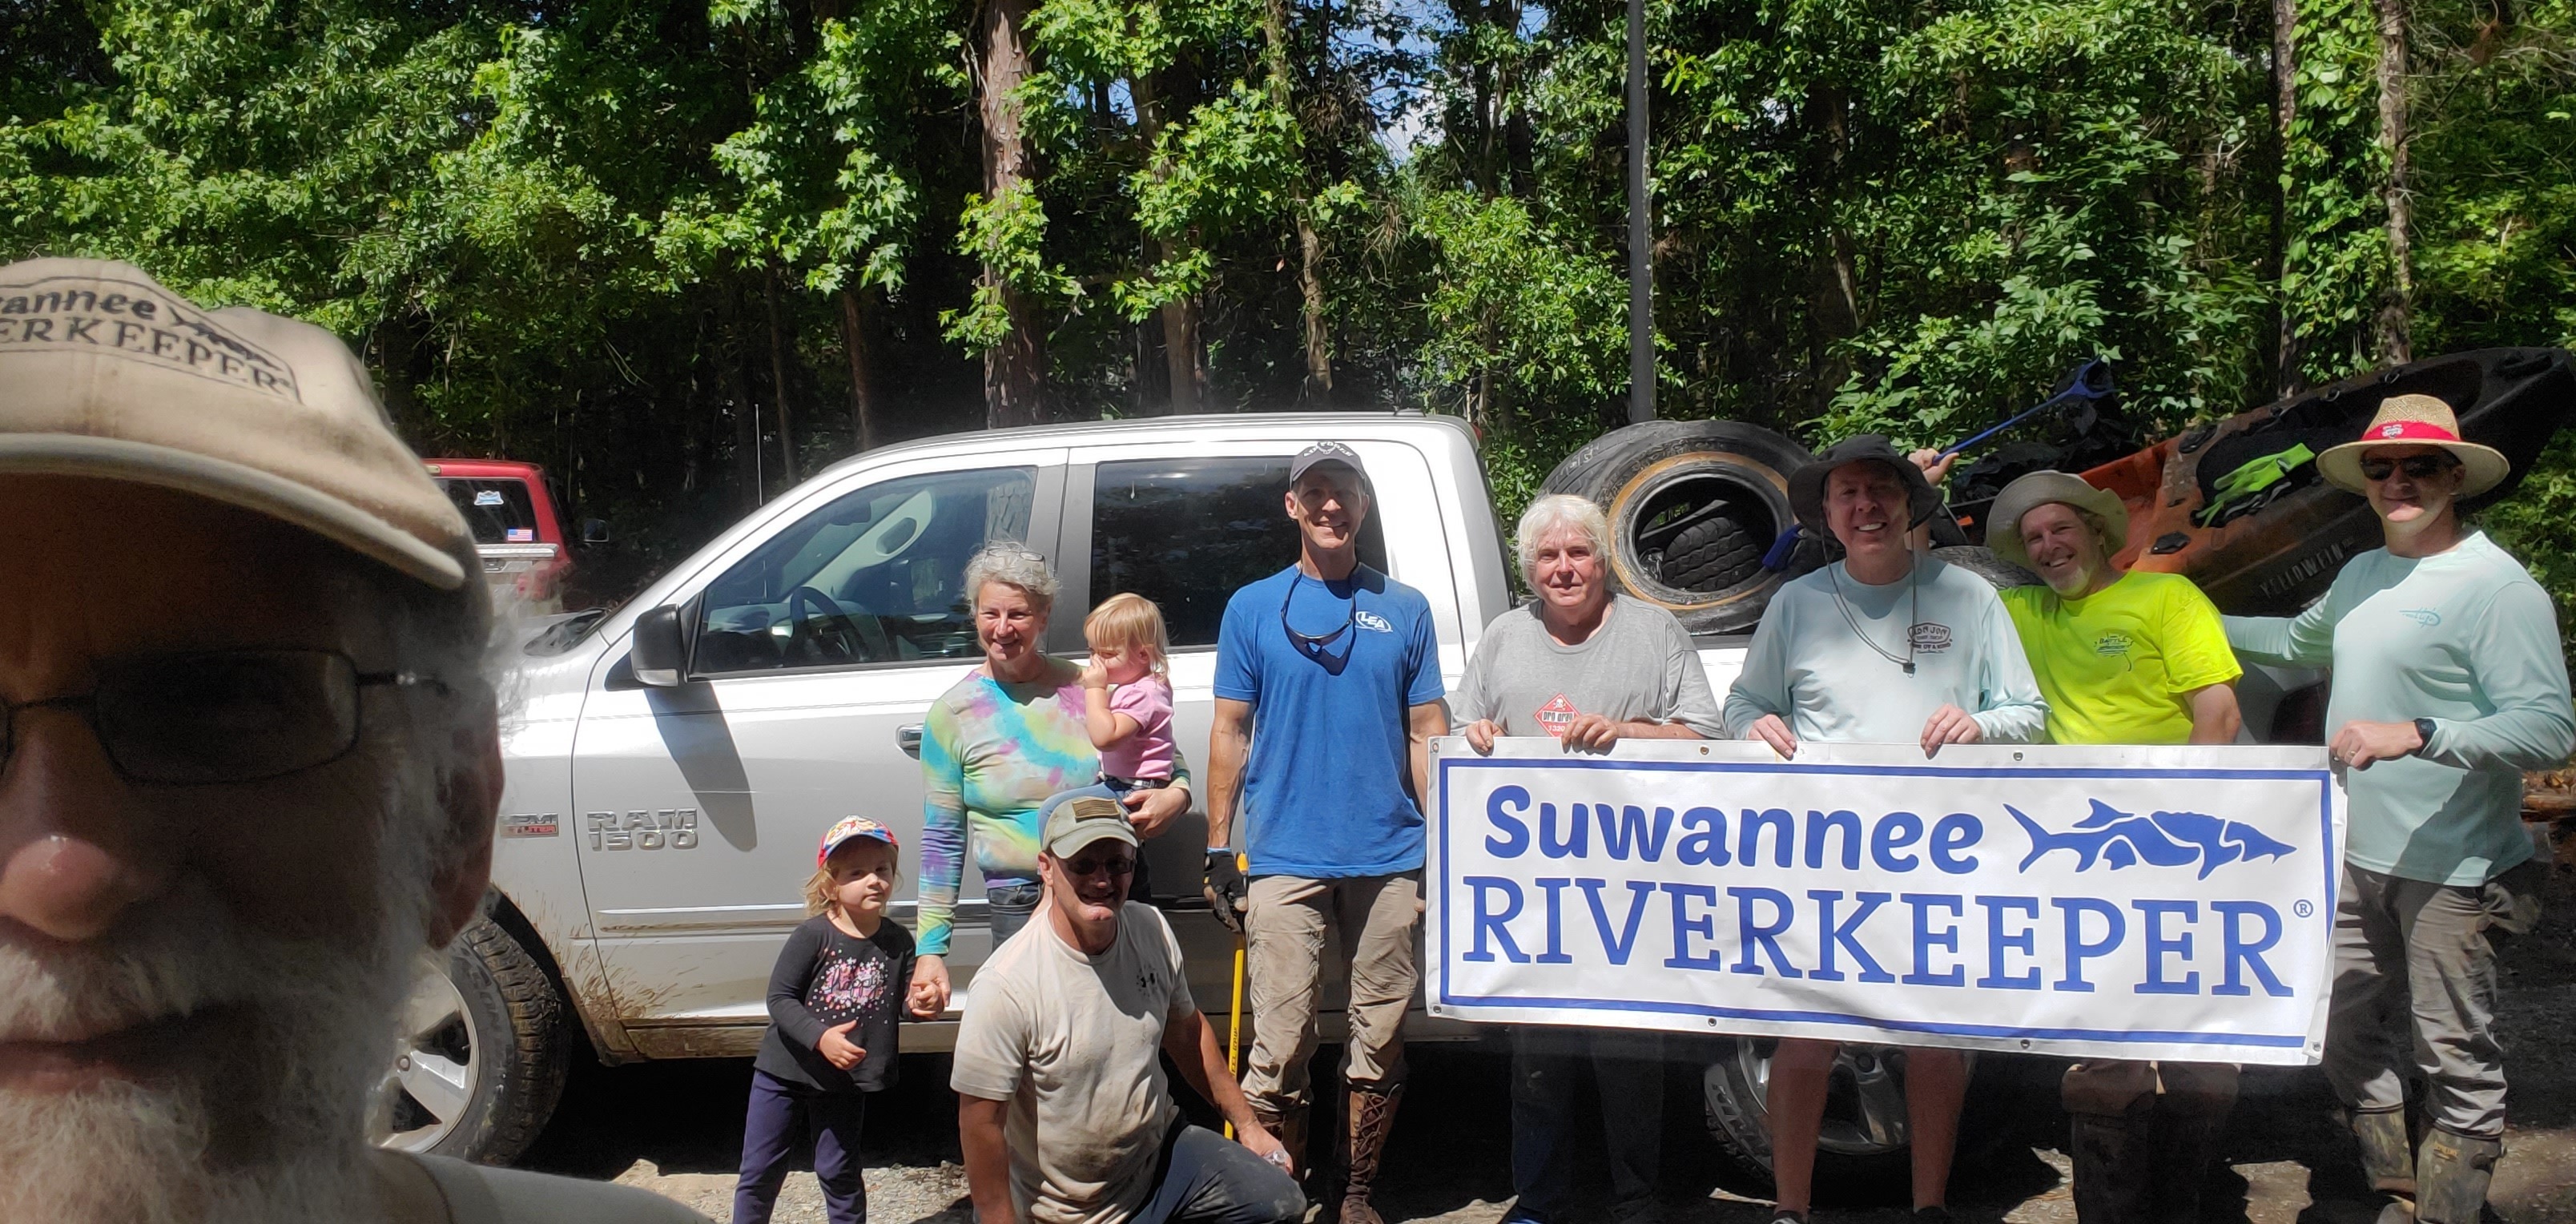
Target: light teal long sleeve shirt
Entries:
(2467, 639)
(1812, 660)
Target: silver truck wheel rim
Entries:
(1864, 1101)
(436, 1055)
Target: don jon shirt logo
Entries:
(1556, 715)
(136, 321)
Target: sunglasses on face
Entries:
(2417, 467)
(220, 716)
(1117, 865)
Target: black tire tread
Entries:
(531, 1080)
(1711, 555)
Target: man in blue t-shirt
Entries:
(1336, 667)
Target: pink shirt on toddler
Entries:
(1148, 753)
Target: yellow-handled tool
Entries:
(1234, 1013)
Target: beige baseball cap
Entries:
(104, 373)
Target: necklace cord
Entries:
(1913, 614)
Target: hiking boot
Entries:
(1370, 1117)
(1288, 1126)
(2451, 1174)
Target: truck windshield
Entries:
(496, 507)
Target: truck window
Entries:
(1186, 532)
(874, 577)
(496, 507)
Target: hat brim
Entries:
(54, 454)
(2003, 519)
(1807, 490)
(2487, 466)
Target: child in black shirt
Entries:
(831, 1040)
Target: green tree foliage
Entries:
(676, 249)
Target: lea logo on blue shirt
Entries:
(1372, 622)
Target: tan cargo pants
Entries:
(1376, 919)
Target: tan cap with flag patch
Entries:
(106, 374)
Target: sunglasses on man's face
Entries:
(1116, 864)
(2416, 467)
(225, 716)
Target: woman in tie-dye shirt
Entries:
(993, 751)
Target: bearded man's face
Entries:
(196, 978)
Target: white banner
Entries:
(2083, 901)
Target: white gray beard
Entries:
(2075, 583)
(268, 1128)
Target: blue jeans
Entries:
(1007, 907)
(785, 1118)
(1627, 1072)
(1205, 1178)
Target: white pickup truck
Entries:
(672, 762)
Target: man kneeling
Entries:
(1061, 1041)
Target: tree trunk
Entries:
(746, 429)
(1318, 386)
(2397, 305)
(1015, 369)
(863, 391)
(2287, 380)
(1184, 361)
(778, 378)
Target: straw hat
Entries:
(2003, 521)
(2414, 420)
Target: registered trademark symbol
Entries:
(2303, 909)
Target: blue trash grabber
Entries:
(2090, 381)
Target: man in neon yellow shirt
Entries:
(2122, 658)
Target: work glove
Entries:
(1228, 893)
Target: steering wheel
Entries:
(833, 634)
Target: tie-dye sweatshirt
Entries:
(991, 755)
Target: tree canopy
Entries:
(685, 251)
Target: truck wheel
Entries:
(1864, 1137)
(1693, 506)
(480, 1050)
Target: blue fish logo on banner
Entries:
(2164, 839)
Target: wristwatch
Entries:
(2424, 732)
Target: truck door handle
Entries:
(908, 738)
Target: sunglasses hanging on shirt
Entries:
(1313, 645)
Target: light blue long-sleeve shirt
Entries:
(1812, 662)
(2464, 638)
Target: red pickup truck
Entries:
(516, 528)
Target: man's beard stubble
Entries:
(266, 1123)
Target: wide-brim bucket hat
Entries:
(2414, 420)
(2003, 519)
(1807, 484)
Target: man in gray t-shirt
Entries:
(1590, 669)
(1062, 1108)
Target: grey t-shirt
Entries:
(1074, 1043)
(1639, 665)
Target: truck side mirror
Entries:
(659, 659)
(594, 531)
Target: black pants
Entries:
(785, 1118)
(1205, 1178)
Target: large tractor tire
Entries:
(1693, 506)
(480, 1051)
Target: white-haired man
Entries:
(2448, 683)
(1886, 647)
(1590, 668)
(2123, 658)
(248, 771)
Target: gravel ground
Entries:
(676, 1128)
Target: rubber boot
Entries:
(2451, 1174)
(2387, 1156)
(2110, 1110)
(2191, 1117)
(1368, 1119)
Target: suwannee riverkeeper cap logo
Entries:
(106, 374)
